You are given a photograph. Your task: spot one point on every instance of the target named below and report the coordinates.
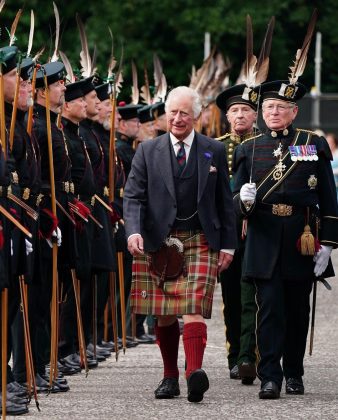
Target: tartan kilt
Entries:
(185, 295)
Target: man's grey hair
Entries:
(187, 92)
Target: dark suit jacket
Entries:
(150, 201)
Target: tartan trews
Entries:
(185, 295)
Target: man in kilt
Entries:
(178, 192)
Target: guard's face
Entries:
(130, 127)
(57, 95)
(78, 109)
(278, 114)
(147, 131)
(9, 85)
(105, 110)
(25, 99)
(180, 117)
(241, 118)
(160, 123)
(93, 103)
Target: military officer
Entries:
(291, 206)
(103, 250)
(64, 189)
(238, 296)
(73, 112)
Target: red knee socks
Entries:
(168, 339)
(194, 340)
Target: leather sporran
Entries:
(168, 262)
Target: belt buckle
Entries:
(281, 210)
(66, 186)
(106, 191)
(26, 193)
(15, 177)
(38, 199)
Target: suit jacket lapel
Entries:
(163, 162)
(204, 159)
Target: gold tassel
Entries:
(307, 242)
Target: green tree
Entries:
(174, 29)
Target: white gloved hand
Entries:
(248, 193)
(56, 234)
(29, 247)
(321, 259)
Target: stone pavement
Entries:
(124, 389)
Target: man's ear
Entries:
(66, 106)
(41, 93)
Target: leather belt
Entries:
(281, 210)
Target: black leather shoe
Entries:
(247, 372)
(71, 361)
(99, 350)
(234, 374)
(129, 343)
(43, 386)
(168, 388)
(146, 339)
(269, 391)
(13, 409)
(17, 389)
(108, 345)
(15, 399)
(198, 384)
(294, 386)
(99, 357)
(59, 379)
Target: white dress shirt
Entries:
(187, 143)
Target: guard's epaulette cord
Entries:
(307, 131)
(223, 137)
(252, 138)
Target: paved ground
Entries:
(124, 389)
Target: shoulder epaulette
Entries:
(307, 131)
(251, 138)
(223, 137)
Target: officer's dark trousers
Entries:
(282, 325)
(247, 351)
(13, 307)
(239, 314)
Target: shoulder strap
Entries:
(268, 184)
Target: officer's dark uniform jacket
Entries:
(119, 179)
(103, 254)
(24, 165)
(125, 151)
(84, 190)
(64, 188)
(5, 250)
(304, 185)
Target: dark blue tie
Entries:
(181, 157)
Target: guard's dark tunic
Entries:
(103, 254)
(67, 253)
(125, 151)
